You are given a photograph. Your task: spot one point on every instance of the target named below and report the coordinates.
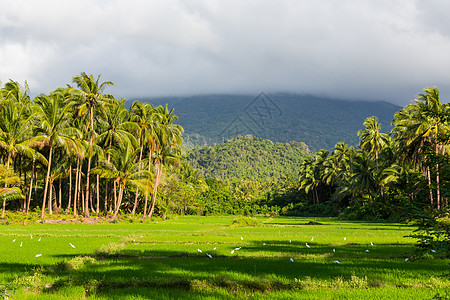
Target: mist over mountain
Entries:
(317, 121)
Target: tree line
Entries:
(388, 173)
(79, 149)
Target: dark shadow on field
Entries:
(141, 272)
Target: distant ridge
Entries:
(319, 122)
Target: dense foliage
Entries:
(248, 158)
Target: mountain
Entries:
(248, 157)
(319, 122)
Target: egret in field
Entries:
(37, 255)
(31, 236)
(14, 240)
(39, 239)
(232, 251)
(308, 246)
(334, 250)
(291, 259)
(238, 248)
(434, 251)
(242, 238)
(199, 250)
(371, 243)
(264, 244)
(337, 262)
(134, 240)
(214, 248)
(20, 244)
(312, 239)
(290, 241)
(367, 251)
(345, 238)
(71, 245)
(209, 255)
(406, 259)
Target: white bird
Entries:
(20, 244)
(199, 250)
(232, 251)
(371, 243)
(14, 240)
(312, 239)
(406, 259)
(290, 241)
(37, 255)
(434, 251)
(31, 236)
(239, 248)
(39, 239)
(264, 244)
(291, 259)
(214, 248)
(367, 250)
(242, 238)
(134, 240)
(337, 262)
(345, 238)
(71, 245)
(334, 250)
(307, 245)
(209, 255)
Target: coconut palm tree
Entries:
(89, 96)
(8, 186)
(125, 171)
(417, 130)
(371, 139)
(53, 127)
(116, 128)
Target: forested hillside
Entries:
(318, 122)
(248, 157)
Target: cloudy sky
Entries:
(372, 50)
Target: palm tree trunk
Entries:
(50, 205)
(429, 185)
(86, 205)
(47, 181)
(146, 193)
(60, 195)
(75, 197)
(116, 212)
(70, 188)
(155, 188)
(438, 188)
(98, 194)
(31, 188)
(136, 197)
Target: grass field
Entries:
(161, 260)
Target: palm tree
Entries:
(89, 96)
(54, 129)
(371, 139)
(417, 130)
(9, 178)
(125, 171)
(167, 150)
(116, 128)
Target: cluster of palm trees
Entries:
(411, 162)
(80, 149)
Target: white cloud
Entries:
(357, 49)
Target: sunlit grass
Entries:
(134, 260)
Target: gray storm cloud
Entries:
(384, 50)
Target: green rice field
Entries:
(212, 258)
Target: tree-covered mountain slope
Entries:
(248, 157)
(318, 122)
